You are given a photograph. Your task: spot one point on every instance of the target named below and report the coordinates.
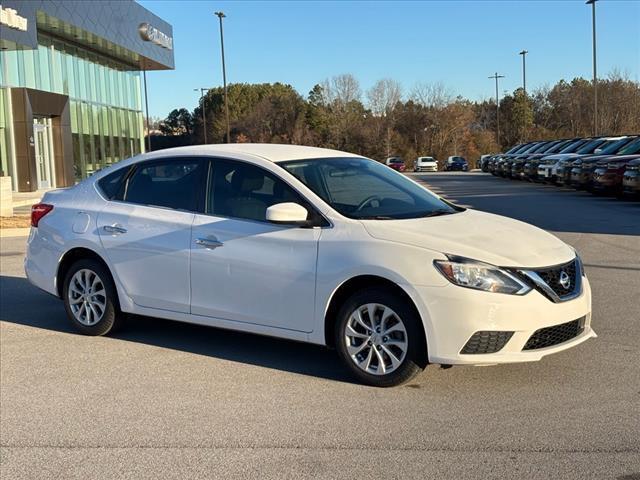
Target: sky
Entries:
(458, 43)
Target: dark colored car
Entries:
(517, 164)
(504, 163)
(582, 169)
(493, 162)
(631, 178)
(508, 162)
(563, 168)
(548, 164)
(396, 163)
(607, 177)
(456, 163)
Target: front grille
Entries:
(486, 342)
(553, 278)
(547, 337)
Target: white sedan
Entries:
(308, 244)
(426, 164)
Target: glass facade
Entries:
(5, 134)
(105, 100)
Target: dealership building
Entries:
(72, 86)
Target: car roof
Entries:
(268, 151)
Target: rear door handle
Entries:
(114, 229)
(209, 243)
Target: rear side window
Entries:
(173, 183)
(110, 185)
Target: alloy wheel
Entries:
(87, 297)
(376, 339)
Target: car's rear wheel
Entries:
(380, 338)
(90, 298)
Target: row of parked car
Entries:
(454, 163)
(608, 165)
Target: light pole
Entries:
(220, 16)
(524, 71)
(595, 72)
(524, 91)
(496, 77)
(204, 115)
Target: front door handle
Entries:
(209, 243)
(114, 229)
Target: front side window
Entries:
(173, 183)
(365, 189)
(245, 191)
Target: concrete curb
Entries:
(14, 232)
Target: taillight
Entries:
(38, 211)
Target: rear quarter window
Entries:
(110, 185)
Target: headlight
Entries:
(469, 273)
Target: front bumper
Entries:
(631, 182)
(605, 181)
(580, 178)
(452, 315)
(545, 171)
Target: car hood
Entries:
(621, 159)
(478, 235)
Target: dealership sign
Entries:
(10, 18)
(151, 34)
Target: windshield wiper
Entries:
(437, 213)
(376, 217)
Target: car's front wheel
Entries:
(90, 298)
(380, 338)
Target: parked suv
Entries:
(608, 175)
(631, 178)
(516, 170)
(582, 169)
(494, 163)
(312, 245)
(426, 164)
(595, 146)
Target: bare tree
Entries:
(341, 90)
(435, 95)
(383, 98)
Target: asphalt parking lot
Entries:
(168, 400)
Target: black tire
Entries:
(415, 359)
(112, 317)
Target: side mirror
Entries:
(288, 213)
(597, 151)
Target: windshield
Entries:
(543, 148)
(457, 160)
(365, 189)
(523, 148)
(558, 146)
(573, 146)
(614, 146)
(532, 148)
(631, 148)
(514, 149)
(591, 146)
(395, 160)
